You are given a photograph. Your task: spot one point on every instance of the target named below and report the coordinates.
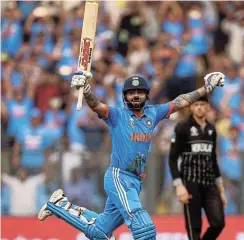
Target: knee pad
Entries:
(142, 226)
(75, 218)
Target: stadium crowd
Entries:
(47, 144)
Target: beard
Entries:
(136, 103)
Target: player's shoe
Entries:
(56, 198)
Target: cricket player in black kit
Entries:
(198, 181)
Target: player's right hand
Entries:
(182, 193)
(80, 79)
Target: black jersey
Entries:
(196, 148)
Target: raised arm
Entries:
(211, 81)
(81, 79)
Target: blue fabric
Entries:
(16, 78)
(232, 86)
(37, 28)
(119, 59)
(75, 134)
(100, 92)
(132, 137)
(34, 142)
(198, 35)
(186, 66)
(101, 28)
(123, 199)
(142, 226)
(5, 200)
(55, 121)
(70, 25)
(123, 189)
(27, 7)
(12, 39)
(19, 114)
(48, 48)
(90, 230)
(68, 59)
(175, 29)
(231, 206)
(230, 162)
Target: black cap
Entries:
(203, 98)
(136, 82)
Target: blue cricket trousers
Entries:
(123, 189)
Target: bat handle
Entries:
(80, 98)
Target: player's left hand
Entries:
(224, 199)
(214, 79)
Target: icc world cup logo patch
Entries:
(149, 122)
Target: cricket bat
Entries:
(87, 42)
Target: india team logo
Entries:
(135, 82)
(149, 122)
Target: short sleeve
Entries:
(163, 111)
(112, 116)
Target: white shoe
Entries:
(56, 198)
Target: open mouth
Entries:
(136, 102)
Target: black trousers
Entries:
(208, 198)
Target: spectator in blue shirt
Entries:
(170, 17)
(11, 30)
(230, 161)
(31, 143)
(40, 21)
(43, 49)
(199, 27)
(73, 20)
(223, 98)
(18, 103)
(68, 62)
(55, 118)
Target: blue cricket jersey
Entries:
(132, 137)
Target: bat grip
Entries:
(80, 98)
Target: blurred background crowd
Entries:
(47, 144)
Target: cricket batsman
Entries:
(131, 129)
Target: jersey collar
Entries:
(194, 121)
(133, 114)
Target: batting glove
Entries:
(80, 79)
(214, 79)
